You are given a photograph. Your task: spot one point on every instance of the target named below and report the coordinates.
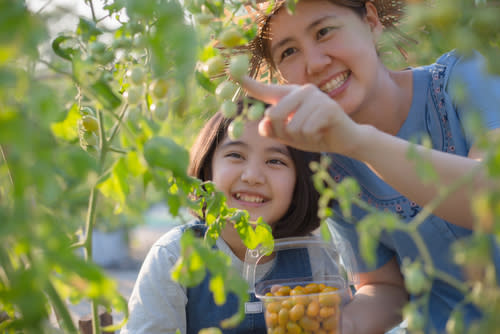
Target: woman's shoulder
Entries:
(468, 68)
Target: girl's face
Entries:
(255, 173)
(329, 46)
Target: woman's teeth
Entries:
(335, 82)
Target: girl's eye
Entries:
(323, 32)
(234, 155)
(277, 162)
(288, 52)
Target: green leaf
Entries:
(174, 204)
(67, 129)
(105, 95)
(134, 164)
(264, 235)
(217, 287)
(205, 82)
(346, 191)
(369, 230)
(325, 231)
(253, 236)
(87, 29)
(185, 272)
(214, 206)
(63, 52)
(116, 186)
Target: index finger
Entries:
(269, 93)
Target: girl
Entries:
(255, 173)
(338, 97)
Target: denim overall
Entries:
(202, 312)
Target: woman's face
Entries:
(255, 173)
(329, 46)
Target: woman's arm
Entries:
(378, 302)
(306, 118)
(387, 156)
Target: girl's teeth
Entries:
(252, 199)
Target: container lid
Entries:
(308, 258)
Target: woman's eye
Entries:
(324, 31)
(288, 52)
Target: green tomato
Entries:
(203, 18)
(136, 75)
(256, 111)
(134, 95)
(122, 43)
(135, 27)
(90, 138)
(87, 111)
(160, 111)
(159, 88)
(231, 37)
(90, 123)
(455, 323)
(215, 66)
(415, 280)
(235, 129)
(238, 67)
(211, 330)
(97, 48)
(104, 58)
(165, 153)
(415, 320)
(228, 109)
(226, 90)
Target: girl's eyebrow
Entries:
(272, 149)
(310, 27)
(281, 150)
(233, 143)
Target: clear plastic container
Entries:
(306, 285)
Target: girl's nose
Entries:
(253, 174)
(316, 60)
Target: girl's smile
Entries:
(255, 173)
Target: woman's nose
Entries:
(253, 174)
(316, 59)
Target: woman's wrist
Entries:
(361, 142)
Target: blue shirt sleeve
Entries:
(475, 92)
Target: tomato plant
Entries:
(94, 125)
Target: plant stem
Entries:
(119, 121)
(60, 309)
(6, 164)
(94, 18)
(91, 214)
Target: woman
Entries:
(338, 97)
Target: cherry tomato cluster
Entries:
(313, 308)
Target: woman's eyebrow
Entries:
(310, 27)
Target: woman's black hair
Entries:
(302, 215)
